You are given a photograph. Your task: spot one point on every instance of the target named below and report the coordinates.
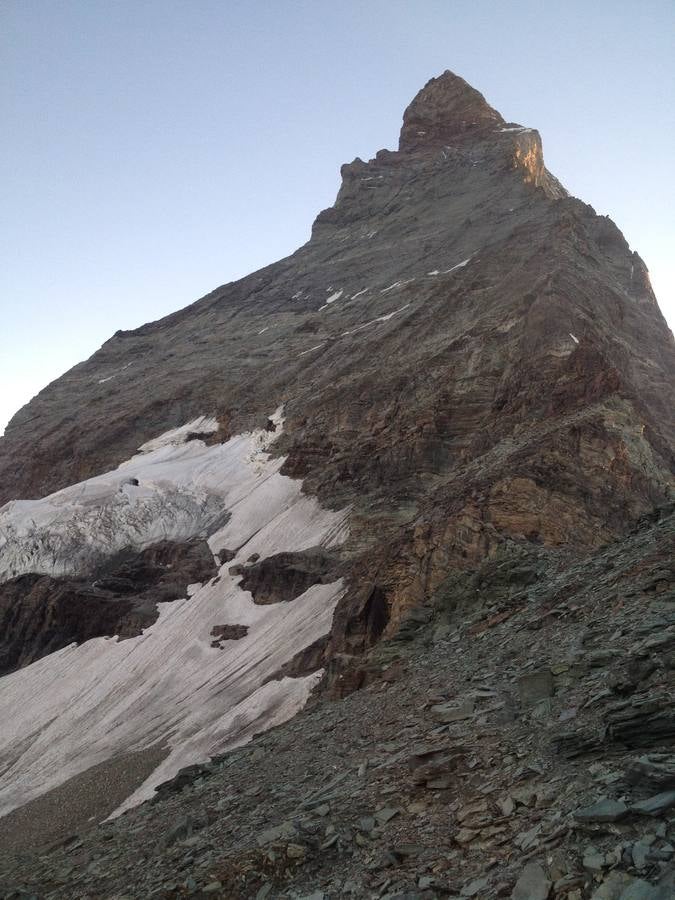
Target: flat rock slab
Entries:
(284, 832)
(654, 806)
(532, 884)
(534, 687)
(605, 810)
(446, 713)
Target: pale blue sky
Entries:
(154, 149)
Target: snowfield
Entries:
(167, 687)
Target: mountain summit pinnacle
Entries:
(447, 108)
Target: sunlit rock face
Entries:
(466, 357)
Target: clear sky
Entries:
(154, 149)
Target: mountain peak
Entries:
(447, 108)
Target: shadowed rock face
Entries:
(466, 355)
(283, 577)
(40, 614)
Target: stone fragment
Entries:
(507, 805)
(613, 886)
(526, 840)
(446, 713)
(181, 830)
(386, 814)
(284, 832)
(604, 810)
(532, 884)
(593, 861)
(654, 806)
(643, 890)
(535, 686)
(474, 888)
(639, 853)
(598, 658)
(653, 771)
(466, 835)
(473, 812)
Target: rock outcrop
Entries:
(40, 614)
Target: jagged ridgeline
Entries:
(417, 472)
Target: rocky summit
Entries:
(355, 577)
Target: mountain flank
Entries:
(354, 577)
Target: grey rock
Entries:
(386, 814)
(264, 892)
(474, 888)
(604, 810)
(598, 658)
(593, 861)
(613, 886)
(532, 884)
(639, 853)
(284, 832)
(654, 806)
(446, 713)
(653, 771)
(643, 890)
(535, 686)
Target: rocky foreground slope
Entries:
(422, 468)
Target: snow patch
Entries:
(170, 490)
(87, 704)
(359, 294)
(332, 299)
(574, 338)
(200, 425)
(384, 318)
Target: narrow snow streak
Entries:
(311, 349)
(391, 287)
(384, 318)
(458, 266)
(86, 704)
(114, 374)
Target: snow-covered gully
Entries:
(169, 687)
